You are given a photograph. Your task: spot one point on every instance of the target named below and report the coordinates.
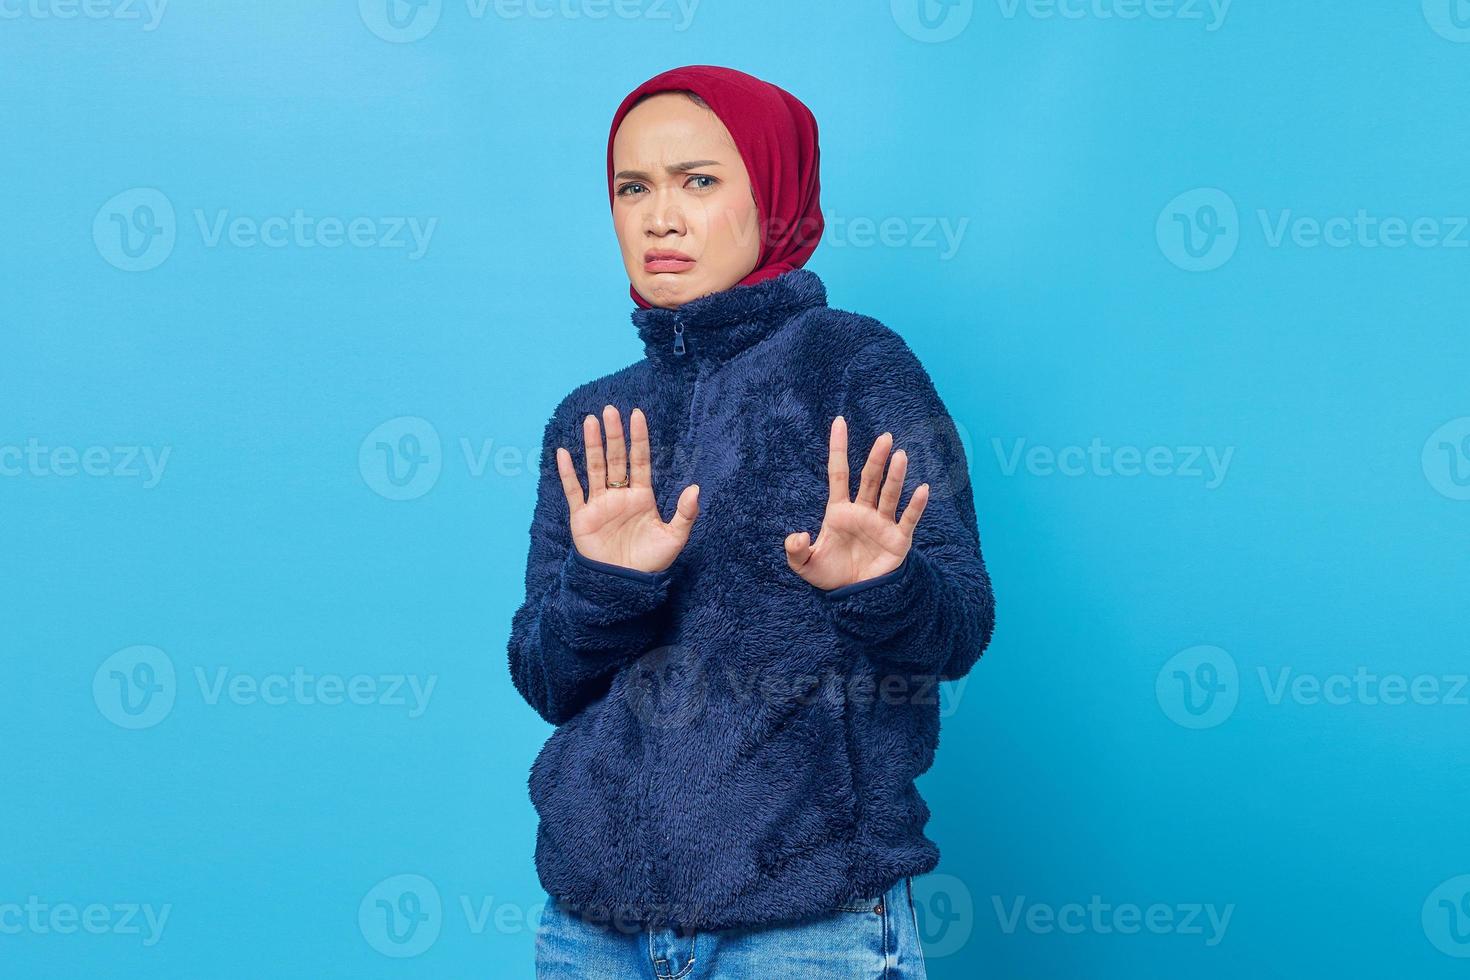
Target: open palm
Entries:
(622, 525)
(859, 539)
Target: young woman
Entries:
(741, 707)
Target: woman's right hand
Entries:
(622, 525)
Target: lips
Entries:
(666, 260)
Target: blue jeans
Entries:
(873, 936)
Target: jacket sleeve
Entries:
(581, 619)
(935, 612)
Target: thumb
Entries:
(798, 549)
(685, 511)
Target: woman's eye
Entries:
(635, 187)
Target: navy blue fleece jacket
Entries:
(735, 746)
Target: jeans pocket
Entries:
(862, 903)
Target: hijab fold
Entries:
(776, 136)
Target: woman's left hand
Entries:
(859, 539)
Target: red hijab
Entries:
(777, 138)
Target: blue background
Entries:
(1082, 757)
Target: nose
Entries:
(664, 216)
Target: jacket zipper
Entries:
(689, 424)
(680, 349)
(654, 856)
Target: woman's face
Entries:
(679, 186)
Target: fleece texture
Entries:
(735, 746)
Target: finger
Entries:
(798, 548)
(893, 486)
(617, 447)
(592, 455)
(839, 485)
(570, 484)
(872, 475)
(685, 511)
(914, 510)
(641, 474)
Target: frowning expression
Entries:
(683, 206)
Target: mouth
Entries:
(666, 260)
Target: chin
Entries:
(671, 289)
(675, 289)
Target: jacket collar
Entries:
(717, 326)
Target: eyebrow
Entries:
(673, 168)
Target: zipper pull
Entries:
(678, 338)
